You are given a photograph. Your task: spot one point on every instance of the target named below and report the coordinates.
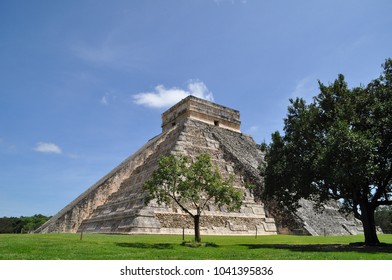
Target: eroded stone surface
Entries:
(115, 204)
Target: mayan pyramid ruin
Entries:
(115, 204)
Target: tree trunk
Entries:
(196, 219)
(369, 225)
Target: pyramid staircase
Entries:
(115, 204)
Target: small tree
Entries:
(191, 186)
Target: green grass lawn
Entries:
(165, 247)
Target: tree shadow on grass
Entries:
(355, 247)
(140, 245)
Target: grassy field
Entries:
(153, 247)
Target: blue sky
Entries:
(83, 83)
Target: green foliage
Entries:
(167, 180)
(263, 146)
(7, 225)
(21, 224)
(191, 185)
(383, 218)
(339, 146)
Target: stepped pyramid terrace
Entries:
(115, 204)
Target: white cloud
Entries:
(104, 100)
(163, 97)
(108, 54)
(108, 98)
(43, 147)
(306, 88)
(101, 54)
(252, 130)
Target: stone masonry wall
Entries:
(125, 212)
(71, 216)
(203, 111)
(116, 203)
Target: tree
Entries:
(6, 225)
(191, 186)
(21, 224)
(337, 147)
(32, 223)
(383, 218)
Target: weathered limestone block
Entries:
(116, 203)
(327, 221)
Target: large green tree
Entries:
(191, 185)
(337, 147)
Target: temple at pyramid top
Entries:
(202, 110)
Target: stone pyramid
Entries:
(115, 204)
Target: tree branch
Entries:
(385, 202)
(206, 201)
(181, 206)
